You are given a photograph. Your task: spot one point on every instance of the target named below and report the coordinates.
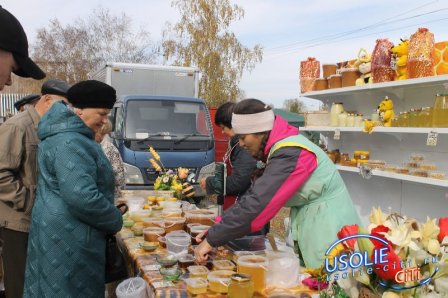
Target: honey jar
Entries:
(241, 286)
(256, 267)
(219, 280)
(198, 271)
(196, 285)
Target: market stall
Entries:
(158, 240)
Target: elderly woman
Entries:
(297, 174)
(113, 156)
(74, 207)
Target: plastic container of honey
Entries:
(204, 217)
(153, 222)
(196, 285)
(174, 224)
(219, 280)
(255, 266)
(198, 271)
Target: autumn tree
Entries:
(202, 38)
(70, 52)
(293, 105)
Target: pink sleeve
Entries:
(306, 164)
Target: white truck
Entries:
(158, 106)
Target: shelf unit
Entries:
(379, 129)
(413, 196)
(402, 177)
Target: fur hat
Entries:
(92, 94)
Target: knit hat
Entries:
(92, 94)
(13, 39)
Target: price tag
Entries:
(162, 284)
(432, 139)
(337, 134)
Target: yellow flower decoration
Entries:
(377, 216)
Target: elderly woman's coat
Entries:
(73, 210)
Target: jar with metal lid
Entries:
(241, 286)
(440, 110)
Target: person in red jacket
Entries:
(239, 162)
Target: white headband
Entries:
(253, 123)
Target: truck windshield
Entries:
(167, 119)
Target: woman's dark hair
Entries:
(253, 106)
(250, 106)
(224, 114)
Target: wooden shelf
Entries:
(381, 129)
(403, 177)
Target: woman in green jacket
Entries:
(74, 207)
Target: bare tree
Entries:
(202, 38)
(293, 105)
(70, 52)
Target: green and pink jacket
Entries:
(298, 175)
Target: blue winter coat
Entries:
(73, 210)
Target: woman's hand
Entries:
(202, 250)
(202, 183)
(199, 237)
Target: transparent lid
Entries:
(220, 276)
(223, 264)
(198, 269)
(196, 282)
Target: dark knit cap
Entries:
(92, 94)
(55, 87)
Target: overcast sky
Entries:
(289, 31)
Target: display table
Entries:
(143, 263)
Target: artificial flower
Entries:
(433, 247)
(155, 165)
(154, 154)
(346, 231)
(429, 230)
(388, 270)
(377, 217)
(401, 237)
(443, 225)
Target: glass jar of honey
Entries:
(256, 267)
(440, 110)
(425, 117)
(413, 118)
(241, 286)
(403, 119)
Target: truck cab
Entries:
(158, 106)
(178, 128)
